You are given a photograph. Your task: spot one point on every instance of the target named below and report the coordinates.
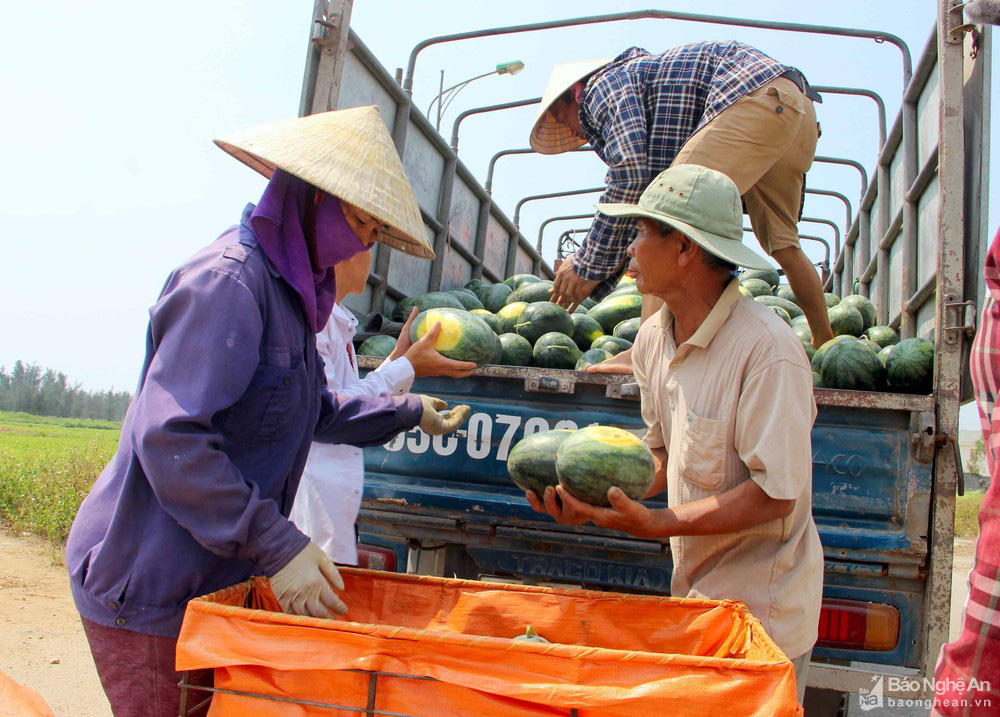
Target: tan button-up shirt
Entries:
(735, 402)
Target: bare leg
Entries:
(807, 289)
(622, 363)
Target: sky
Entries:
(110, 108)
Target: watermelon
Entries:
(870, 344)
(864, 306)
(612, 344)
(431, 300)
(508, 316)
(882, 335)
(817, 380)
(627, 329)
(785, 292)
(810, 351)
(467, 298)
(845, 320)
(802, 332)
(768, 275)
(381, 346)
(852, 366)
(555, 350)
(745, 292)
(515, 282)
(591, 357)
(612, 311)
(491, 319)
(532, 461)
(626, 280)
(885, 353)
(595, 458)
(802, 319)
(831, 300)
(792, 309)
(757, 287)
(531, 292)
(473, 283)
(623, 290)
(580, 309)
(585, 330)
(542, 317)
(588, 303)
(782, 314)
(493, 296)
(910, 366)
(817, 359)
(464, 336)
(515, 350)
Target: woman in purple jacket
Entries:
(230, 396)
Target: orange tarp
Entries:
(20, 701)
(610, 653)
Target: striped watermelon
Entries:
(515, 282)
(509, 315)
(831, 300)
(490, 319)
(612, 311)
(555, 350)
(910, 366)
(380, 346)
(532, 461)
(595, 458)
(864, 306)
(469, 300)
(531, 291)
(757, 287)
(585, 330)
(515, 350)
(882, 335)
(464, 336)
(845, 320)
(792, 309)
(591, 357)
(852, 366)
(612, 344)
(768, 275)
(542, 317)
(627, 329)
(430, 300)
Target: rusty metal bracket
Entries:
(923, 436)
(323, 32)
(549, 384)
(957, 27)
(960, 318)
(946, 439)
(629, 390)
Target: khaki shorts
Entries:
(765, 142)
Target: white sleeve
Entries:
(392, 377)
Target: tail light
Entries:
(372, 557)
(851, 625)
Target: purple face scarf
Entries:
(278, 223)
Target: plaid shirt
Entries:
(976, 652)
(637, 113)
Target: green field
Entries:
(47, 466)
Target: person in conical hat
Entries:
(231, 396)
(723, 105)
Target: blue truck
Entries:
(885, 466)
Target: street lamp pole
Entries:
(446, 95)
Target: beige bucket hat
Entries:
(700, 203)
(347, 153)
(547, 135)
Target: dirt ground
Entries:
(42, 644)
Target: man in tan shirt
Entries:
(727, 398)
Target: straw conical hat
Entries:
(547, 135)
(347, 153)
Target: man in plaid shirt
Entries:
(968, 674)
(723, 105)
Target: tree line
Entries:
(46, 392)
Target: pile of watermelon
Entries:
(586, 463)
(862, 356)
(515, 324)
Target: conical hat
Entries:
(347, 153)
(547, 135)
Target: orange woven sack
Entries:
(431, 647)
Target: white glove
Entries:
(435, 423)
(303, 586)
